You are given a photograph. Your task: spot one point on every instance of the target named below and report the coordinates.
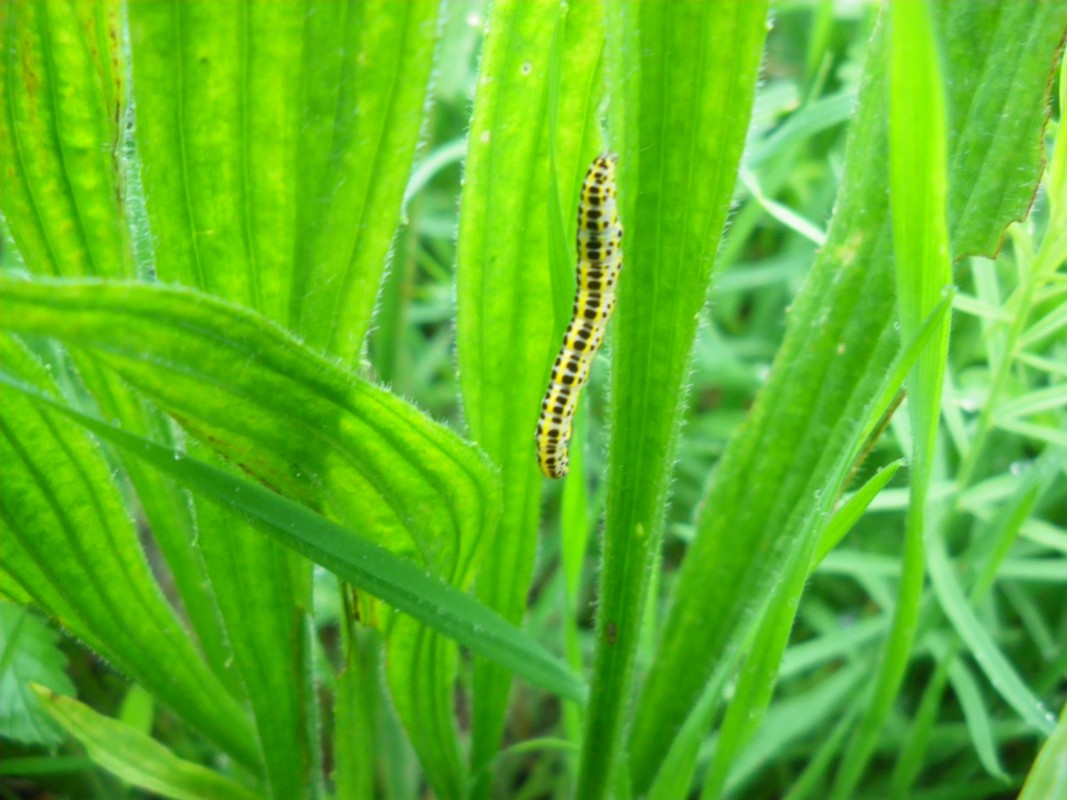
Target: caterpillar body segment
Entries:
(599, 264)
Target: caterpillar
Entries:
(599, 264)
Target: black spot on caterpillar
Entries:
(599, 264)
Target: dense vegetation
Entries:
(281, 286)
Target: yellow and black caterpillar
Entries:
(599, 265)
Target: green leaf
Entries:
(422, 675)
(71, 187)
(998, 670)
(755, 684)
(839, 344)
(136, 757)
(276, 140)
(1057, 171)
(218, 136)
(539, 64)
(918, 191)
(979, 722)
(262, 595)
(682, 78)
(397, 581)
(69, 543)
(851, 510)
(245, 387)
(1048, 775)
(999, 61)
(792, 719)
(62, 71)
(357, 739)
(28, 653)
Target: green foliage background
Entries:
(281, 284)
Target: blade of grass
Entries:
(849, 513)
(978, 718)
(395, 580)
(750, 697)
(792, 719)
(752, 694)
(839, 343)
(1048, 776)
(734, 575)
(998, 670)
(918, 165)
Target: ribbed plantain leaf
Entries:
(69, 543)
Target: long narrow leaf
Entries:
(361, 454)
(68, 542)
(1048, 776)
(839, 344)
(66, 199)
(136, 758)
(506, 292)
(395, 580)
(998, 670)
(244, 386)
(276, 140)
(682, 76)
(62, 77)
(918, 173)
